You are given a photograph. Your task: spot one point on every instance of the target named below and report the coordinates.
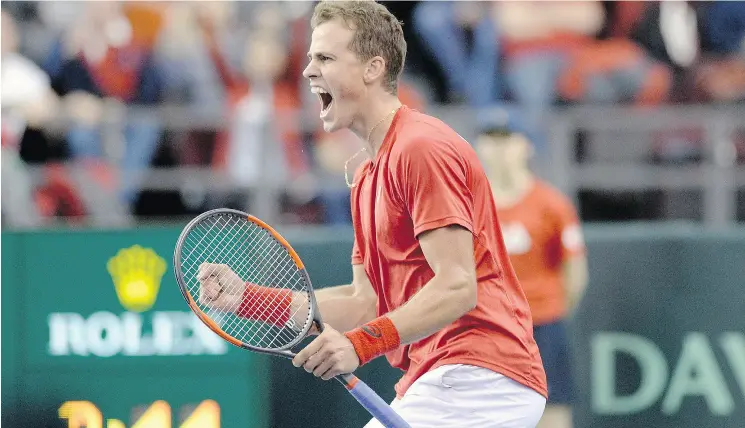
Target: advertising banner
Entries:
(108, 339)
(659, 339)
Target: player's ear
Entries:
(375, 69)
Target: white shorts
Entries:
(458, 396)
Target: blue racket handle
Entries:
(373, 403)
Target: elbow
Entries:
(465, 292)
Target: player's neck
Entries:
(509, 187)
(374, 123)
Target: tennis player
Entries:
(432, 285)
(544, 239)
(433, 289)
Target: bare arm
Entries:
(345, 307)
(450, 294)
(334, 292)
(446, 297)
(575, 280)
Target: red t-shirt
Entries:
(425, 176)
(541, 232)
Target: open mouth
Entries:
(325, 98)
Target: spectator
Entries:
(191, 79)
(183, 55)
(723, 27)
(28, 99)
(106, 59)
(538, 38)
(463, 40)
(720, 75)
(29, 106)
(260, 100)
(702, 43)
(622, 17)
(552, 53)
(614, 71)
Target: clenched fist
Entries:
(219, 287)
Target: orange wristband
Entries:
(374, 339)
(267, 304)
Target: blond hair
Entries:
(376, 33)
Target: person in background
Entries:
(28, 103)
(31, 139)
(105, 60)
(553, 54)
(719, 77)
(543, 238)
(462, 37)
(261, 102)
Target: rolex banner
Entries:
(108, 341)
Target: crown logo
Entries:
(136, 273)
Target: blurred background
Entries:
(122, 120)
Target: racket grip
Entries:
(371, 401)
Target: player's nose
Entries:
(310, 71)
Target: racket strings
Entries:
(252, 255)
(264, 340)
(274, 254)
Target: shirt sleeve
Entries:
(432, 178)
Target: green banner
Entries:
(659, 340)
(106, 330)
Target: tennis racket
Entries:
(246, 283)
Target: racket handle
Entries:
(371, 401)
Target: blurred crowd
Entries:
(78, 79)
